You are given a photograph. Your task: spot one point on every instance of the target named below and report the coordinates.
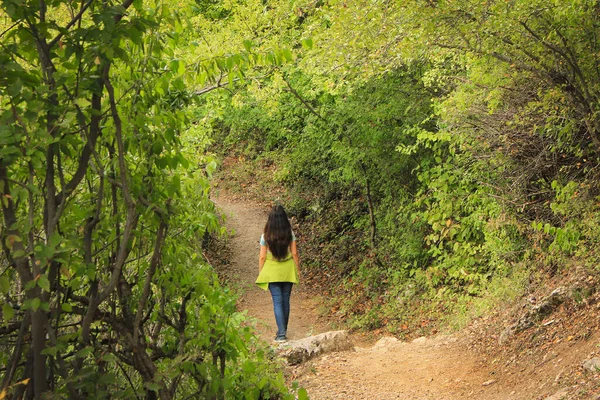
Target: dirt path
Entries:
(426, 369)
(442, 367)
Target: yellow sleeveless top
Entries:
(277, 271)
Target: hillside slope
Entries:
(542, 361)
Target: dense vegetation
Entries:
(440, 155)
(104, 186)
(437, 154)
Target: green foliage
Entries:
(432, 147)
(104, 188)
(213, 9)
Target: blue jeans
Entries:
(280, 292)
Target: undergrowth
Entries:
(389, 290)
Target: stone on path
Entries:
(592, 365)
(385, 343)
(299, 351)
(560, 395)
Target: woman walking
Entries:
(278, 266)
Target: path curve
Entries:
(427, 368)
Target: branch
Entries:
(62, 367)
(91, 224)
(130, 222)
(96, 106)
(10, 328)
(161, 311)
(125, 5)
(372, 220)
(304, 102)
(9, 28)
(160, 236)
(128, 379)
(561, 53)
(90, 145)
(131, 219)
(119, 136)
(73, 21)
(496, 55)
(16, 355)
(218, 85)
(21, 263)
(77, 18)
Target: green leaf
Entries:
(15, 89)
(4, 284)
(31, 284)
(109, 357)
(75, 283)
(210, 168)
(302, 394)
(307, 43)
(12, 239)
(83, 103)
(157, 147)
(7, 312)
(155, 387)
(19, 253)
(83, 353)
(66, 307)
(35, 303)
(174, 65)
(135, 36)
(50, 351)
(44, 283)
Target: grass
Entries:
(499, 292)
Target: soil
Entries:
(542, 362)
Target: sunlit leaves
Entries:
(307, 43)
(90, 178)
(492, 101)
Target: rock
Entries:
(420, 340)
(299, 351)
(535, 314)
(505, 335)
(384, 343)
(550, 302)
(592, 365)
(560, 395)
(488, 383)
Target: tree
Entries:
(105, 287)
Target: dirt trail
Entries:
(427, 368)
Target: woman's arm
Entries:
(262, 258)
(294, 251)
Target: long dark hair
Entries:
(278, 232)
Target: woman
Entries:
(278, 266)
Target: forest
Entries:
(439, 156)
